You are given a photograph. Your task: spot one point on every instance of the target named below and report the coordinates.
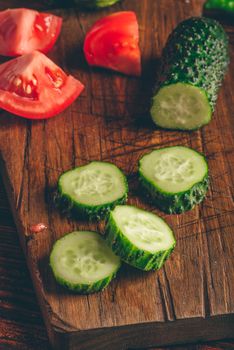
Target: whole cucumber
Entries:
(194, 63)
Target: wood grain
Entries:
(191, 298)
(21, 325)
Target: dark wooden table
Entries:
(21, 324)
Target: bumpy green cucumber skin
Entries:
(129, 253)
(85, 288)
(196, 53)
(83, 211)
(175, 203)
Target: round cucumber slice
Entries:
(181, 106)
(176, 178)
(82, 262)
(93, 189)
(139, 238)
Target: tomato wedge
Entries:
(23, 31)
(34, 87)
(113, 42)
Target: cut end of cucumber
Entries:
(83, 262)
(181, 106)
(173, 169)
(143, 229)
(95, 184)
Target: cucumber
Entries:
(82, 262)
(94, 189)
(139, 238)
(176, 178)
(194, 63)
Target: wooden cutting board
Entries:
(191, 297)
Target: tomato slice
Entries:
(34, 87)
(23, 31)
(113, 42)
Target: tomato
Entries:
(32, 86)
(23, 31)
(113, 42)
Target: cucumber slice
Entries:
(93, 189)
(176, 178)
(82, 262)
(181, 106)
(139, 238)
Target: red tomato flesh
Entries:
(23, 31)
(113, 42)
(34, 87)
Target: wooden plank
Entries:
(191, 297)
(20, 323)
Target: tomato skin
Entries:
(113, 42)
(33, 87)
(23, 31)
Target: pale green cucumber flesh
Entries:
(82, 262)
(139, 238)
(176, 178)
(94, 189)
(181, 106)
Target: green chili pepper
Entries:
(95, 4)
(89, 4)
(223, 10)
(223, 5)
